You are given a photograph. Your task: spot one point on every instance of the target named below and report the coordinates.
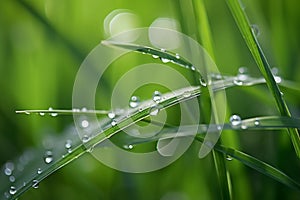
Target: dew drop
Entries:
(242, 76)
(48, 157)
(12, 179)
(244, 127)
(6, 194)
(202, 82)
(53, 114)
(85, 123)
(68, 144)
(156, 96)
(85, 138)
(76, 110)
(155, 56)
(111, 115)
(177, 56)
(35, 184)
(255, 30)
(12, 190)
(219, 127)
(193, 68)
(84, 109)
(235, 120)
(9, 167)
(163, 50)
(129, 146)
(134, 101)
(39, 171)
(277, 79)
(229, 158)
(186, 94)
(113, 122)
(154, 110)
(164, 60)
(256, 122)
(42, 114)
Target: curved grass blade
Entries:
(263, 65)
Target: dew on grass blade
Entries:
(84, 123)
(48, 157)
(256, 122)
(85, 138)
(134, 101)
(229, 158)
(39, 171)
(113, 122)
(155, 56)
(68, 144)
(12, 190)
(128, 147)
(164, 60)
(235, 120)
(12, 179)
(111, 115)
(202, 82)
(35, 184)
(255, 29)
(42, 114)
(242, 76)
(154, 110)
(9, 167)
(156, 96)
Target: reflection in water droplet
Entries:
(39, 171)
(48, 157)
(12, 190)
(156, 96)
(134, 101)
(203, 82)
(229, 158)
(235, 120)
(154, 110)
(85, 138)
(85, 123)
(164, 60)
(35, 184)
(111, 115)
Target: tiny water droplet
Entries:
(255, 29)
(156, 96)
(177, 56)
(256, 122)
(111, 115)
(85, 123)
(163, 50)
(85, 138)
(164, 60)
(35, 184)
(84, 109)
(275, 71)
(219, 127)
(76, 110)
(202, 82)
(53, 114)
(187, 94)
(277, 79)
(12, 179)
(12, 190)
(193, 68)
(235, 120)
(155, 56)
(68, 144)
(134, 101)
(244, 127)
(9, 168)
(229, 158)
(130, 146)
(27, 113)
(154, 110)
(48, 157)
(42, 114)
(113, 122)
(242, 76)
(39, 171)
(6, 194)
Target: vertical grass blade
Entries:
(263, 65)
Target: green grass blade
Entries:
(262, 63)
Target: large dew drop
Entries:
(12, 190)
(235, 120)
(48, 157)
(134, 101)
(111, 115)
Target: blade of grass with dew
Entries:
(263, 65)
(204, 35)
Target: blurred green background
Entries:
(42, 44)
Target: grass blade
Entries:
(263, 65)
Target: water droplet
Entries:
(229, 158)
(219, 127)
(35, 184)
(39, 171)
(76, 110)
(277, 79)
(177, 56)
(6, 194)
(12, 179)
(255, 30)
(156, 96)
(256, 122)
(203, 82)
(235, 120)
(164, 60)
(85, 123)
(12, 190)
(242, 76)
(68, 144)
(130, 146)
(155, 56)
(193, 68)
(48, 157)
(113, 122)
(84, 109)
(111, 115)
(42, 114)
(53, 114)
(27, 113)
(162, 50)
(275, 71)
(154, 110)
(134, 101)
(85, 138)
(187, 94)
(9, 168)
(244, 127)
